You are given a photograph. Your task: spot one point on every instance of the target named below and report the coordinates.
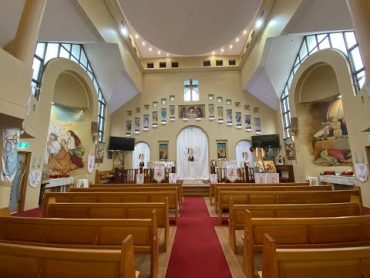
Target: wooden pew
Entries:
(321, 232)
(114, 197)
(237, 213)
(287, 197)
(213, 186)
(219, 189)
(112, 210)
(17, 260)
(114, 185)
(83, 233)
(133, 188)
(348, 262)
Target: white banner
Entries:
(9, 154)
(173, 178)
(139, 178)
(159, 171)
(213, 178)
(231, 171)
(90, 163)
(361, 171)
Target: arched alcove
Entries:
(316, 100)
(192, 154)
(141, 152)
(243, 153)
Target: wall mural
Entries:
(330, 142)
(68, 130)
(191, 111)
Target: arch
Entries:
(192, 147)
(243, 153)
(326, 70)
(140, 148)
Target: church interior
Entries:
(185, 138)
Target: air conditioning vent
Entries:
(162, 65)
(175, 64)
(150, 65)
(219, 63)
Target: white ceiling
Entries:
(191, 27)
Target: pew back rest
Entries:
(237, 217)
(109, 210)
(347, 262)
(87, 233)
(289, 197)
(112, 197)
(36, 261)
(219, 189)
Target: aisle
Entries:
(196, 252)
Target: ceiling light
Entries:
(222, 50)
(237, 39)
(167, 54)
(259, 23)
(136, 36)
(124, 31)
(244, 32)
(213, 53)
(158, 52)
(143, 43)
(150, 49)
(230, 46)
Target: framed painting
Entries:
(257, 125)
(172, 98)
(221, 149)
(99, 152)
(238, 119)
(191, 111)
(128, 127)
(269, 166)
(220, 113)
(172, 112)
(163, 150)
(137, 124)
(289, 149)
(163, 115)
(247, 122)
(211, 111)
(146, 121)
(229, 116)
(155, 118)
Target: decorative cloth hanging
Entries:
(34, 178)
(159, 171)
(361, 171)
(231, 171)
(90, 163)
(139, 178)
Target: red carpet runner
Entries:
(196, 252)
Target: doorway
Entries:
(192, 154)
(19, 184)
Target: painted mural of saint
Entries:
(11, 156)
(75, 149)
(59, 158)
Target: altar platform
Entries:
(195, 187)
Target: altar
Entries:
(266, 177)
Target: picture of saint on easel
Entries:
(221, 150)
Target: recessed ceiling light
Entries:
(259, 23)
(244, 32)
(213, 53)
(222, 50)
(158, 52)
(230, 46)
(150, 49)
(167, 54)
(136, 36)
(143, 43)
(237, 39)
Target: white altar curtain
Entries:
(140, 148)
(192, 154)
(243, 153)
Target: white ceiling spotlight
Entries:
(150, 49)
(213, 52)
(143, 43)
(137, 36)
(124, 30)
(244, 32)
(230, 46)
(222, 50)
(237, 40)
(167, 54)
(159, 52)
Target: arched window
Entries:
(141, 151)
(191, 90)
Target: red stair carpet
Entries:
(196, 252)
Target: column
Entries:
(24, 44)
(360, 11)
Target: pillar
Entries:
(24, 44)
